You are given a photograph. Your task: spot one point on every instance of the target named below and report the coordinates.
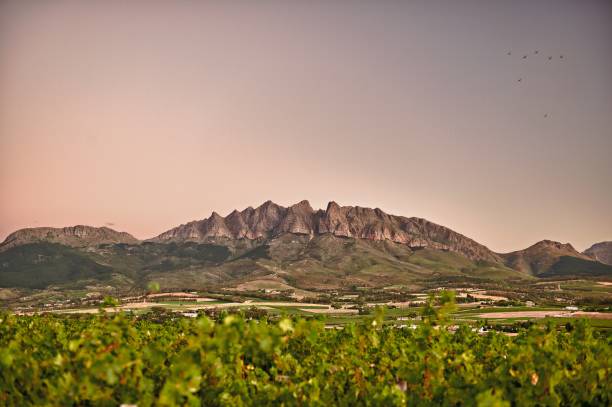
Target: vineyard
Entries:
(113, 359)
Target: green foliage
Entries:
(110, 302)
(243, 359)
(438, 309)
(113, 359)
(153, 287)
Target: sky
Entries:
(145, 115)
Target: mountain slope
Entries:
(548, 259)
(74, 236)
(270, 220)
(327, 261)
(38, 265)
(602, 252)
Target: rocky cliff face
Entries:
(602, 252)
(75, 236)
(269, 220)
(540, 257)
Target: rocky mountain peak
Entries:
(269, 220)
(298, 219)
(267, 205)
(551, 244)
(332, 206)
(541, 256)
(302, 206)
(75, 236)
(601, 252)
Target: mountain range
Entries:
(270, 220)
(286, 247)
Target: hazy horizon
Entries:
(149, 115)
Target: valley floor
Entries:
(401, 314)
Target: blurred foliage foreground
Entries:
(120, 359)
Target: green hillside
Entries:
(575, 267)
(300, 261)
(327, 262)
(39, 265)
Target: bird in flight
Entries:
(520, 79)
(545, 115)
(550, 58)
(536, 52)
(509, 53)
(560, 56)
(524, 56)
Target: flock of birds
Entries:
(536, 52)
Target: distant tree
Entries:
(109, 302)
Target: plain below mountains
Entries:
(290, 247)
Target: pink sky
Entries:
(148, 115)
